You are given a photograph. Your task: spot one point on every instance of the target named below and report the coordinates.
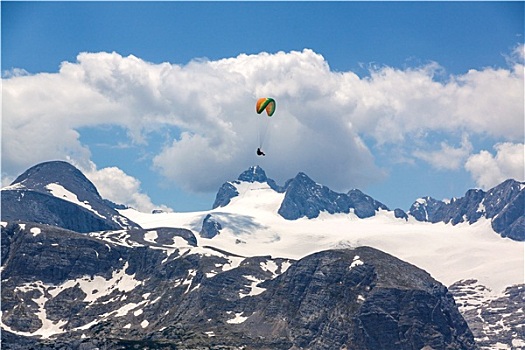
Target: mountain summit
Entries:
(253, 174)
(57, 193)
(303, 196)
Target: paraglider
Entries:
(264, 104)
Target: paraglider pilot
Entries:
(259, 152)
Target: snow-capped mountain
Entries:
(303, 197)
(243, 273)
(503, 204)
(57, 193)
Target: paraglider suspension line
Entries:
(263, 130)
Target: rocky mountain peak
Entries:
(57, 193)
(305, 197)
(39, 177)
(253, 174)
(228, 190)
(499, 196)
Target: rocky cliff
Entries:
(157, 289)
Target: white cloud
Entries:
(15, 72)
(447, 157)
(517, 56)
(321, 120)
(489, 170)
(121, 188)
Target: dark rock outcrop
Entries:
(364, 205)
(224, 195)
(400, 214)
(210, 227)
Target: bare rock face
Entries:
(358, 299)
(157, 289)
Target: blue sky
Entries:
(405, 99)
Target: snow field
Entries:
(252, 227)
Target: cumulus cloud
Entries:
(489, 170)
(447, 157)
(121, 188)
(322, 118)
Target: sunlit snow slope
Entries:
(251, 226)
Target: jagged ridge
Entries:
(503, 204)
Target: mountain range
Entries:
(268, 267)
(503, 204)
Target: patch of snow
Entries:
(356, 262)
(254, 290)
(189, 279)
(285, 266)
(238, 319)
(17, 186)
(481, 208)
(123, 310)
(98, 286)
(151, 236)
(439, 248)
(119, 237)
(49, 327)
(518, 343)
(156, 300)
(270, 266)
(60, 192)
(144, 323)
(211, 274)
(86, 326)
(421, 201)
(35, 231)
(138, 312)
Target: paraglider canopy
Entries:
(265, 103)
